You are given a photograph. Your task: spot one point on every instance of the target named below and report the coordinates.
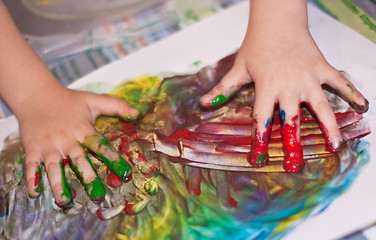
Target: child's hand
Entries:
(52, 129)
(55, 121)
(280, 56)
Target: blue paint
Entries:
(282, 114)
(268, 122)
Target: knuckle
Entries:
(53, 164)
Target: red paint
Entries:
(154, 168)
(129, 208)
(259, 157)
(111, 136)
(207, 137)
(151, 172)
(99, 214)
(231, 203)
(36, 179)
(141, 157)
(147, 175)
(293, 150)
(65, 161)
(113, 180)
(127, 125)
(193, 183)
(124, 145)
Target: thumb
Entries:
(106, 105)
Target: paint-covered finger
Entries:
(85, 172)
(103, 149)
(225, 89)
(340, 82)
(107, 105)
(55, 166)
(33, 163)
(319, 104)
(290, 123)
(261, 130)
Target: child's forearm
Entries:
(276, 15)
(23, 75)
(272, 19)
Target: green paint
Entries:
(191, 15)
(104, 142)
(151, 187)
(19, 160)
(95, 190)
(38, 172)
(119, 168)
(64, 185)
(260, 159)
(219, 99)
(197, 63)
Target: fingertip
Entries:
(336, 144)
(33, 175)
(132, 115)
(361, 106)
(85, 172)
(33, 187)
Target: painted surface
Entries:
(190, 178)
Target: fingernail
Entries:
(63, 202)
(204, 102)
(219, 99)
(337, 144)
(34, 195)
(133, 117)
(364, 105)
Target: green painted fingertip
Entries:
(219, 99)
(32, 195)
(96, 190)
(66, 195)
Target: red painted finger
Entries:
(33, 163)
(261, 130)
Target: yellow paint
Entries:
(288, 221)
(44, 2)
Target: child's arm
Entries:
(52, 118)
(279, 54)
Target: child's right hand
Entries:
(54, 125)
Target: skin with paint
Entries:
(53, 119)
(277, 46)
(280, 56)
